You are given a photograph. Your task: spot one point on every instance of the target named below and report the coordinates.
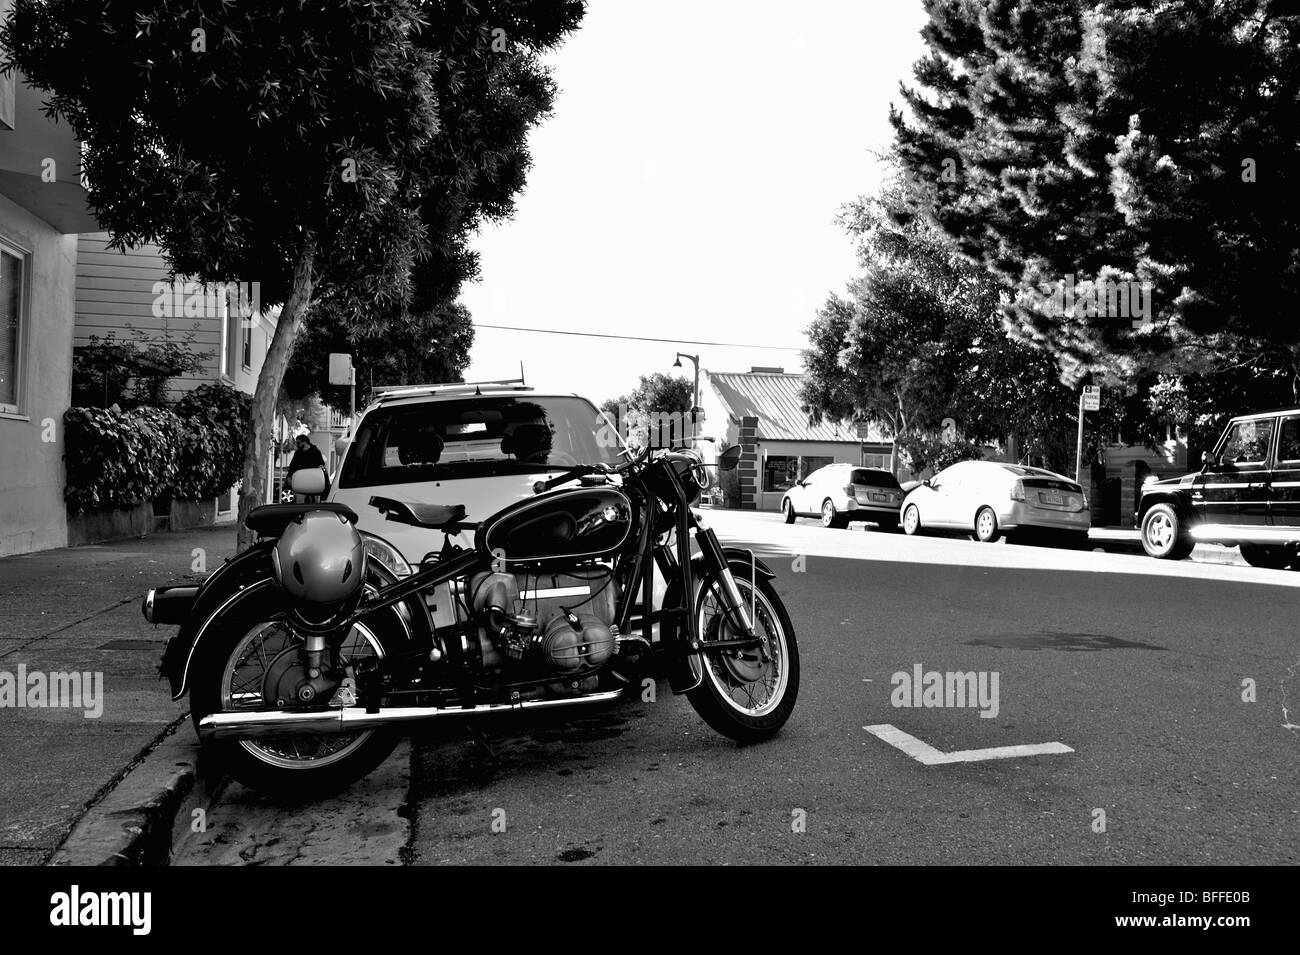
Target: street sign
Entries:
(340, 368)
(1091, 398)
(864, 431)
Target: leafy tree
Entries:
(660, 402)
(919, 339)
(429, 347)
(293, 145)
(1054, 140)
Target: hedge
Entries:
(123, 458)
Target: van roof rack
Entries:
(394, 391)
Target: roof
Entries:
(773, 398)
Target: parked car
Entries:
(1247, 493)
(841, 493)
(989, 499)
(481, 446)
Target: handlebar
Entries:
(582, 470)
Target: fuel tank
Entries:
(584, 523)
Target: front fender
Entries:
(686, 674)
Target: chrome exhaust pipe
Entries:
(355, 719)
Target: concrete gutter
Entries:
(135, 821)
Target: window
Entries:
(876, 460)
(810, 464)
(874, 478)
(780, 471)
(229, 336)
(13, 269)
(1248, 442)
(247, 325)
(475, 437)
(1288, 441)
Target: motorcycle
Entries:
(305, 657)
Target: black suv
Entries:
(1247, 492)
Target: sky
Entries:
(687, 186)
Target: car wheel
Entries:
(986, 526)
(1274, 557)
(787, 510)
(832, 517)
(911, 520)
(1164, 533)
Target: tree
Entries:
(919, 340)
(427, 348)
(294, 145)
(1143, 151)
(657, 411)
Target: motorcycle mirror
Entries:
(729, 459)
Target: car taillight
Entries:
(850, 490)
(1017, 492)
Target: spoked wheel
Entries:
(255, 664)
(911, 520)
(747, 694)
(832, 517)
(1164, 534)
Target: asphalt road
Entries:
(1138, 666)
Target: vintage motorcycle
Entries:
(304, 656)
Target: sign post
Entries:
(1089, 400)
(343, 372)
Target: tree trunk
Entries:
(257, 449)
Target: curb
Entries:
(134, 822)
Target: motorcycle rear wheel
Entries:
(296, 766)
(740, 696)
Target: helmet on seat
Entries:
(320, 558)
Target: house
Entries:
(42, 208)
(760, 411)
(130, 296)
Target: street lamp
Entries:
(695, 360)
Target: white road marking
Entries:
(927, 755)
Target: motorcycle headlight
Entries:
(379, 549)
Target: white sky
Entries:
(687, 185)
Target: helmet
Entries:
(320, 558)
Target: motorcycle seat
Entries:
(270, 520)
(435, 516)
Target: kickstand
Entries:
(475, 735)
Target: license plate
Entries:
(880, 497)
(1051, 497)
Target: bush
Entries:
(119, 458)
(124, 458)
(214, 428)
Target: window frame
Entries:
(18, 409)
(1273, 420)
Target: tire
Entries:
(1164, 533)
(711, 699)
(787, 510)
(986, 526)
(1271, 556)
(832, 517)
(264, 765)
(911, 520)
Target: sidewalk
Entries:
(78, 609)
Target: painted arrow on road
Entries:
(927, 755)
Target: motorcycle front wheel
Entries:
(746, 695)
